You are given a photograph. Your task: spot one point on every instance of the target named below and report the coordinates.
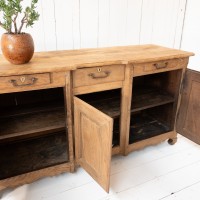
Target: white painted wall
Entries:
(73, 24)
(191, 33)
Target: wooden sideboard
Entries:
(79, 107)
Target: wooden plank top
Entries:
(56, 61)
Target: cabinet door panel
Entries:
(189, 114)
(93, 141)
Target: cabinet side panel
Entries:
(188, 119)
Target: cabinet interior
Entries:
(108, 102)
(33, 133)
(154, 100)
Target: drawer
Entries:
(24, 81)
(98, 75)
(159, 66)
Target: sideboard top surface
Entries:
(57, 61)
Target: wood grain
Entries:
(93, 130)
(151, 141)
(30, 155)
(69, 120)
(188, 121)
(98, 75)
(93, 141)
(159, 66)
(57, 61)
(97, 88)
(33, 176)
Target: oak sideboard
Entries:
(79, 107)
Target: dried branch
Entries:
(15, 23)
(23, 21)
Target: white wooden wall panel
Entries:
(49, 23)
(191, 33)
(73, 24)
(179, 24)
(159, 22)
(165, 18)
(104, 23)
(76, 24)
(89, 23)
(117, 29)
(37, 31)
(64, 27)
(147, 21)
(134, 15)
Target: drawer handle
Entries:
(99, 75)
(15, 84)
(160, 65)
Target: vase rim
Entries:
(16, 33)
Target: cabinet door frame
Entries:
(189, 105)
(69, 125)
(93, 141)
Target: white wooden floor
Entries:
(158, 172)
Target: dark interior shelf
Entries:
(34, 121)
(110, 106)
(116, 133)
(143, 126)
(142, 99)
(34, 154)
(148, 98)
(19, 110)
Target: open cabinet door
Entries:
(93, 141)
(188, 121)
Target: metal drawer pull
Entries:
(99, 75)
(15, 84)
(160, 65)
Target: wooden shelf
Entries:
(110, 106)
(144, 126)
(143, 99)
(19, 110)
(149, 98)
(34, 154)
(32, 122)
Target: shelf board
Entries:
(33, 124)
(142, 99)
(144, 126)
(33, 154)
(20, 110)
(110, 106)
(149, 98)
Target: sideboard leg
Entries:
(172, 141)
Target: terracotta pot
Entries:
(17, 48)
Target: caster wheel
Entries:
(172, 141)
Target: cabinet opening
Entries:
(150, 122)
(108, 102)
(155, 90)
(33, 132)
(154, 101)
(31, 113)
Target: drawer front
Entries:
(98, 75)
(159, 66)
(24, 81)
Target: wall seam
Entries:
(184, 17)
(54, 12)
(141, 18)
